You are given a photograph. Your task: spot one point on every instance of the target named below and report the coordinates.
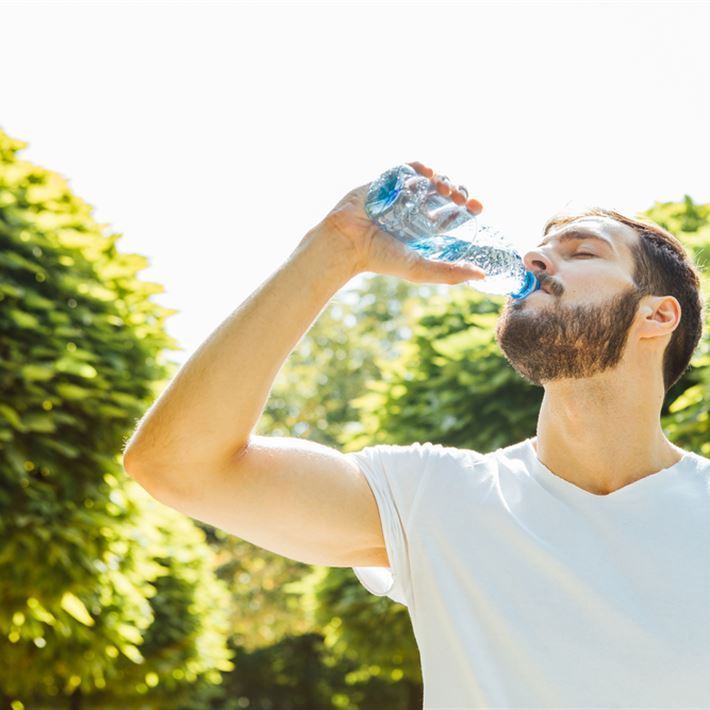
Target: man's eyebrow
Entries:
(577, 234)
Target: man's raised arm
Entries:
(208, 412)
(195, 451)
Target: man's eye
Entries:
(581, 253)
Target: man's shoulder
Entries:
(702, 461)
(509, 452)
(432, 452)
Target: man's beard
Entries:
(552, 343)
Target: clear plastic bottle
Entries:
(406, 205)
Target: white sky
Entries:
(214, 135)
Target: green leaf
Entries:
(66, 390)
(691, 396)
(75, 607)
(63, 448)
(76, 367)
(23, 320)
(130, 633)
(37, 373)
(39, 422)
(12, 416)
(130, 652)
(455, 346)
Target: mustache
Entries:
(548, 283)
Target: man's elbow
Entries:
(166, 486)
(144, 473)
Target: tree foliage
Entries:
(98, 586)
(686, 409)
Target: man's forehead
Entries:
(619, 234)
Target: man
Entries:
(568, 570)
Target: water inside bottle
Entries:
(506, 273)
(441, 247)
(407, 205)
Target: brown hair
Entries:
(662, 268)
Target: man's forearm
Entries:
(212, 405)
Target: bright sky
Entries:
(214, 135)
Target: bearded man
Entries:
(569, 570)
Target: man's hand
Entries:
(371, 249)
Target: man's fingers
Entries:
(458, 198)
(422, 169)
(442, 185)
(458, 195)
(431, 271)
(474, 206)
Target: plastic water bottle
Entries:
(406, 205)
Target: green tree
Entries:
(362, 328)
(101, 592)
(686, 409)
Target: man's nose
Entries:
(537, 260)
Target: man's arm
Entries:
(194, 449)
(208, 412)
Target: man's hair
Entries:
(662, 268)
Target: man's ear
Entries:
(660, 315)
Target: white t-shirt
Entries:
(525, 590)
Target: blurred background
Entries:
(158, 161)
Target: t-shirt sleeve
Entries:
(394, 474)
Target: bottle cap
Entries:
(530, 284)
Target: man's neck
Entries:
(603, 433)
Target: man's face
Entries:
(577, 323)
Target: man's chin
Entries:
(528, 375)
